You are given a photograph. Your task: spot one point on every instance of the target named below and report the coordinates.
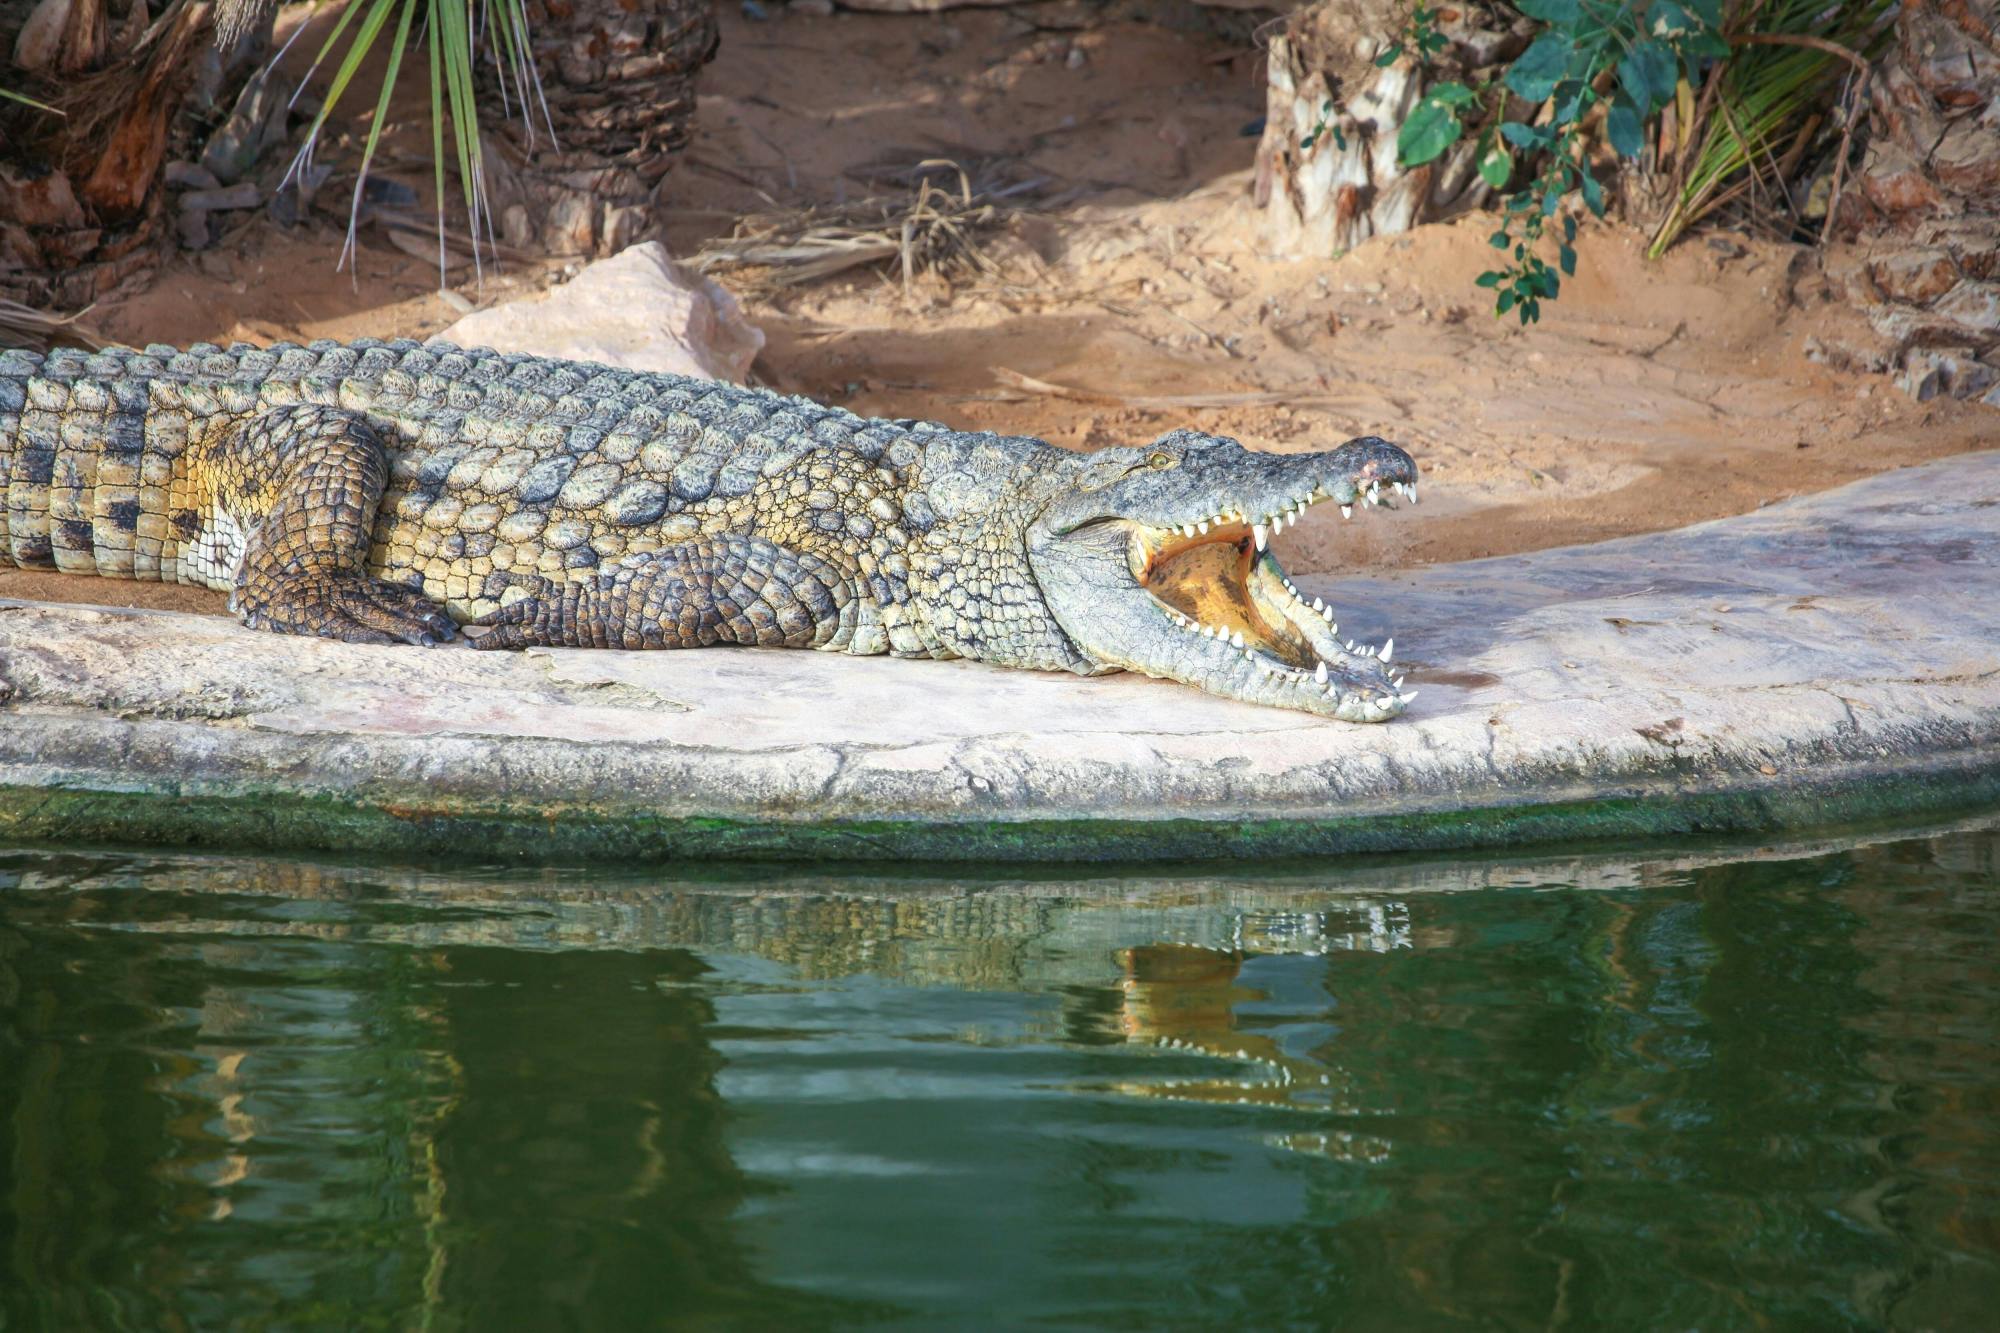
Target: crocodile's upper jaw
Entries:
(1205, 602)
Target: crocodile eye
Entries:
(1160, 460)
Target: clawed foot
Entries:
(524, 623)
(350, 607)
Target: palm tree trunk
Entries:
(619, 79)
(1925, 204)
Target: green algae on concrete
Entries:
(1819, 662)
(292, 822)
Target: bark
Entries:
(79, 205)
(1924, 205)
(129, 164)
(1326, 196)
(619, 78)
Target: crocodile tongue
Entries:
(1275, 647)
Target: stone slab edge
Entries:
(1911, 773)
(1827, 660)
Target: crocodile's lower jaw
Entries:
(1208, 605)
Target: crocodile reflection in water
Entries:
(541, 1095)
(1170, 964)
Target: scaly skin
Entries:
(377, 492)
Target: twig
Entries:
(1213, 341)
(1848, 114)
(934, 230)
(1859, 95)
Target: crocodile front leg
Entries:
(718, 589)
(297, 488)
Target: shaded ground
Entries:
(1651, 396)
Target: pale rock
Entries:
(192, 226)
(40, 38)
(243, 194)
(637, 310)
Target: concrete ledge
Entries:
(1821, 661)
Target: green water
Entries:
(1755, 1088)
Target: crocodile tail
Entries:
(72, 446)
(15, 368)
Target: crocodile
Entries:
(377, 492)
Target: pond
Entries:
(1725, 1088)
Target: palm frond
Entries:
(1787, 56)
(25, 100)
(453, 33)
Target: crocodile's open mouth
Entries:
(1203, 600)
(1218, 581)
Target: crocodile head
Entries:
(1158, 560)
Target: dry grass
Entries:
(933, 229)
(21, 326)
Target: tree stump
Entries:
(1323, 193)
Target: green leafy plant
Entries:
(1420, 33)
(1606, 69)
(1608, 63)
(1325, 125)
(1757, 101)
(452, 34)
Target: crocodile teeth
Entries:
(1347, 511)
(1408, 695)
(1319, 605)
(1202, 527)
(1261, 533)
(1237, 638)
(1319, 673)
(1388, 646)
